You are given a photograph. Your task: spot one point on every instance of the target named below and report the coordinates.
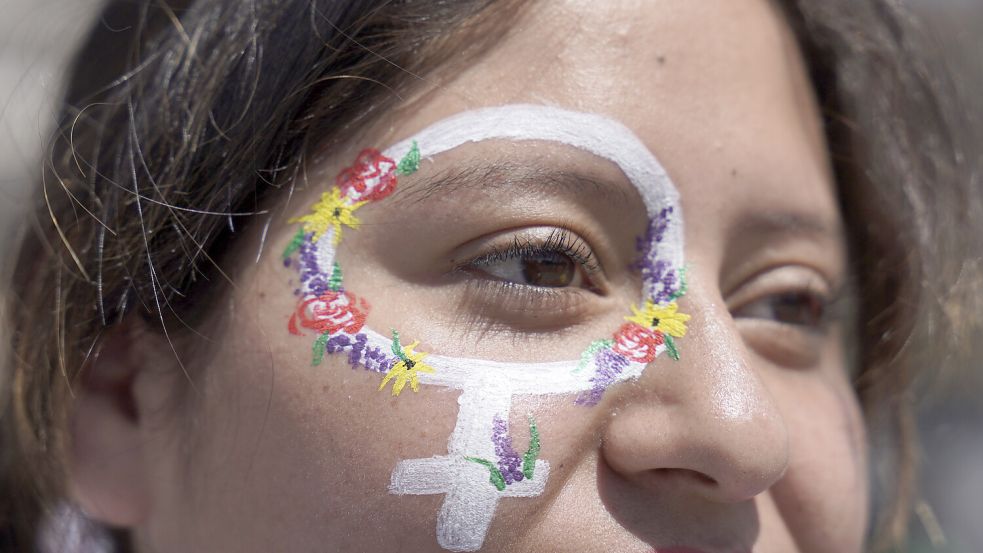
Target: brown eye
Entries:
(560, 260)
(803, 309)
(548, 270)
(540, 269)
(798, 309)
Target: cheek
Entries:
(305, 450)
(826, 483)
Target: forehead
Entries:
(716, 89)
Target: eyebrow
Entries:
(790, 224)
(509, 175)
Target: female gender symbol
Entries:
(488, 387)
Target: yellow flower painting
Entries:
(664, 318)
(332, 211)
(407, 370)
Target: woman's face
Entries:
(525, 251)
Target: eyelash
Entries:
(559, 241)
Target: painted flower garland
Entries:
(481, 465)
(337, 316)
(653, 325)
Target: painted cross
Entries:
(487, 391)
(471, 498)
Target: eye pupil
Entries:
(551, 270)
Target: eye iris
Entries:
(548, 270)
(798, 309)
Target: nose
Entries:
(706, 422)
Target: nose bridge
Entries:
(707, 413)
(730, 389)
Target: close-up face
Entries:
(603, 310)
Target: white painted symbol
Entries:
(470, 499)
(488, 387)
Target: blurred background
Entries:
(37, 38)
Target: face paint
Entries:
(481, 466)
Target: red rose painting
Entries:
(330, 313)
(372, 177)
(637, 342)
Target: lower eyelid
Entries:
(520, 306)
(784, 344)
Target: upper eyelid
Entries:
(828, 283)
(833, 295)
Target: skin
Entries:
(753, 440)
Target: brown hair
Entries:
(908, 177)
(177, 129)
